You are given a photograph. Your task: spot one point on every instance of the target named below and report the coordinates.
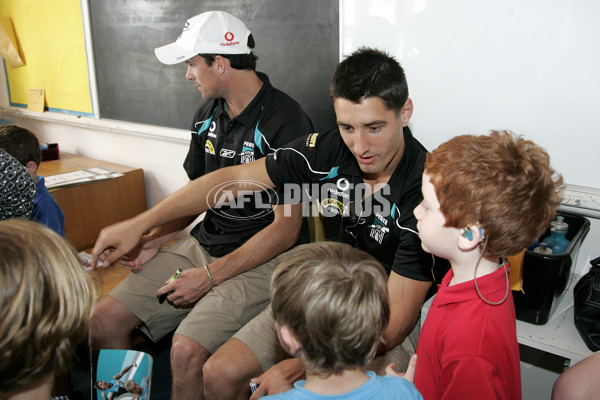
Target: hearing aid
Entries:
(469, 235)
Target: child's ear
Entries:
(470, 237)
(289, 339)
(31, 167)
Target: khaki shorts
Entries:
(260, 336)
(214, 318)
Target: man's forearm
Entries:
(197, 196)
(406, 299)
(162, 234)
(273, 240)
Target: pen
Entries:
(176, 275)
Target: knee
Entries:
(570, 386)
(187, 354)
(563, 388)
(219, 371)
(106, 320)
(222, 378)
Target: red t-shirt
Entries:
(467, 348)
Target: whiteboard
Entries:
(531, 67)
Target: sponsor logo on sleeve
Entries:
(209, 148)
(311, 140)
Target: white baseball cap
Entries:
(212, 32)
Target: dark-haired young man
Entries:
(373, 160)
(227, 259)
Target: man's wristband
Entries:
(210, 278)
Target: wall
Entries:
(527, 66)
(115, 142)
(162, 170)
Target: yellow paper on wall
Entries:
(9, 49)
(35, 100)
(52, 43)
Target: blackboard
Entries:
(297, 44)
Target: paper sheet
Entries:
(9, 49)
(79, 177)
(35, 100)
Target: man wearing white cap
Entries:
(227, 259)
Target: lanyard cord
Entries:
(475, 278)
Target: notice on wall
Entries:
(35, 100)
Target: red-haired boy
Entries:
(484, 198)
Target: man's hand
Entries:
(191, 285)
(141, 254)
(409, 375)
(116, 240)
(279, 378)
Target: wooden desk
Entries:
(91, 206)
(107, 278)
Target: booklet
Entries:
(121, 375)
(79, 177)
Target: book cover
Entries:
(121, 375)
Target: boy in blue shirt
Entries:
(330, 305)
(23, 145)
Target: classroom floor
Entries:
(161, 371)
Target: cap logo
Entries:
(229, 36)
(185, 28)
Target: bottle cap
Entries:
(559, 225)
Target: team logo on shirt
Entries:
(379, 228)
(247, 154)
(209, 148)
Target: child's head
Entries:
(17, 189)
(333, 299)
(22, 144)
(45, 303)
(102, 385)
(499, 182)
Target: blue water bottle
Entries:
(557, 240)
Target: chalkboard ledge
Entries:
(158, 132)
